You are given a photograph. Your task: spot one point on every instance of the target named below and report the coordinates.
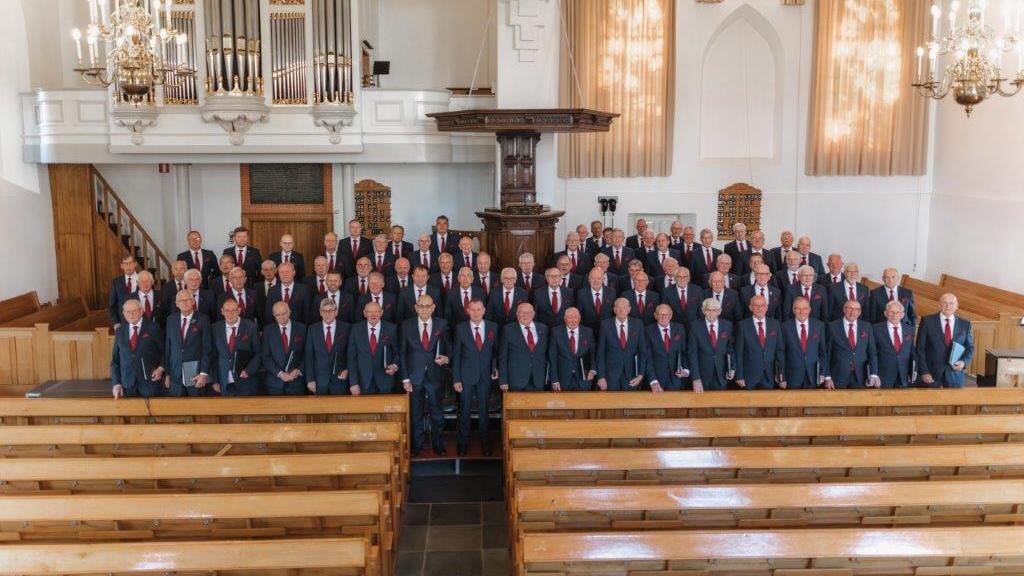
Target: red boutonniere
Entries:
(677, 337)
(816, 297)
(297, 338)
(584, 342)
(863, 334)
(814, 336)
(243, 337)
(723, 336)
(145, 335)
(490, 335)
(772, 333)
(194, 329)
(384, 340)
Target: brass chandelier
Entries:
(973, 53)
(137, 48)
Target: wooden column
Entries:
(74, 233)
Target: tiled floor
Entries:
(454, 523)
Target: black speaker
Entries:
(381, 67)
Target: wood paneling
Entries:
(32, 355)
(73, 229)
(306, 222)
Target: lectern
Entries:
(521, 224)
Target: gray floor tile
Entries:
(412, 538)
(453, 514)
(452, 538)
(494, 513)
(453, 564)
(495, 536)
(416, 514)
(496, 563)
(409, 564)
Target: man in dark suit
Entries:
(757, 248)
(687, 247)
(474, 361)
(890, 291)
(170, 289)
(738, 249)
(780, 254)
(359, 284)
(621, 350)
(754, 261)
(346, 305)
(444, 278)
(375, 293)
(335, 257)
(382, 259)
(935, 339)
(522, 356)
(456, 308)
(668, 367)
(317, 281)
(268, 279)
(758, 347)
(596, 301)
(148, 298)
(247, 257)
(505, 299)
(852, 352)
(187, 347)
(121, 288)
(814, 293)
(284, 351)
(727, 297)
(703, 260)
(628, 280)
(296, 295)
(326, 353)
(236, 351)
(636, 241)
(287, 253)
(789, 274)
(197, 257)
(619, 255)
(354, 247)
(711, 348)
(418, 287)
(579, 260)
(722, 265)
(398, 246)
(241, 294)
(805, 348)
(762, 287)
(642, 302)
(667, 280)
(595, 242)
(552, 300)
(808, 258)
(443, 240)
(528, 279)
(400, 278)
(849, 289)
(834, 272)
(221, 283)
(571, 366)
(683, 298)
(647, 246)
(203, 299)
(424, 348)
(655, 261)
(136, 363)
(485, 278)
(424, 255)
(897, 356)
(464, 257)
(372, 353)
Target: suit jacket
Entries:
(784, 279)
(205, 305)
(404, 249)
(536, 281)
(275, 357)
(296, 259)
(819, 302)
(352, 286)
(252, 263)
(566, 368)
(454, 312)
(826, 279)
(157, 312)
(622, 267)
(732, 281)
(739, 258)
(346, 306)
(652, 263)
(119, 294)
(416, 259)
(590, 316)
(801, 369)
(662, 364)
(756, 364)
(313, 281)
(493, 281)
(686, 256)
(879, 298)
(251, 311)
(229, 364)
(126, 365)
(207, 263)
(574, 282)
(451, 243)
(895, 369)
(522, 369)
(933, 354)
(634, 241)
(766, 256)
(197, 346)
(300, 300)
(651, 301)
(774, 301)
(583, 261)
(260, 286)
(339, 260)
(779, 257)
(542, 303)
(730, 303)
(815, 261)
(366, 368)
(387, 262)
(699, 268)
(496, 304)
(710, 364)
(861, 361)
(168, 292)
(619, 365)
(593, 246)
(322, 365)
(470, 366)
(393, 283)
(407, 301)
(350, 257)
(388, 303)
(691, 310)
(460, 262)
(838, 297)
(216, 287)
(418, 365)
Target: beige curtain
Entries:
(865, 118)
(624, 56)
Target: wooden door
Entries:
(297, 205)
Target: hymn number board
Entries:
(738, 203)
(373, 206)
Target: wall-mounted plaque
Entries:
(286, 183)
(373, 206)
(738, 203)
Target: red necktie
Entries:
(572, 257)
(850, 337)
(465, 301)
(362, 285)
(508, 302)
(640, 303)
(330, 262)
(180, 286)
(373, 340)
(466, 256)
(226, 284)
(134, 340)
(896, 342)
(948, 333)
(284, 338)
(322, 287)
(597, 302)
(479, 341)
(807, 293)
(376, 298)
(618, 258)
(707, 257)
(231, 340)
(712, 336)
(554, 301)
(565, 281)
(891, 295)
(184, 326)
(851, 294)
(355, 247)
(485, 284)
(572, 342)
(662, 256)
(426, 259)
(195, 260)
(530, 342)
(287, 294)
(447, 283)
(241, 258)
(760, 332)
(622, 336)
(803, 337)
(128, 284)
(443, 246)
(668, 339)
(380, 263)
(149, 308)
(682, 297)
(241, 302)
(328, 340)
(425, 338)
(398, 252)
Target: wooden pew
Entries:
(825, 430)
(972, 306)
(161, 517)
(284, 556)
(55, 316)
(18, 306)
(89, 323)
(1009, 301)
(832, 552)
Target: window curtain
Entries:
(865, 118)
(624, 57)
